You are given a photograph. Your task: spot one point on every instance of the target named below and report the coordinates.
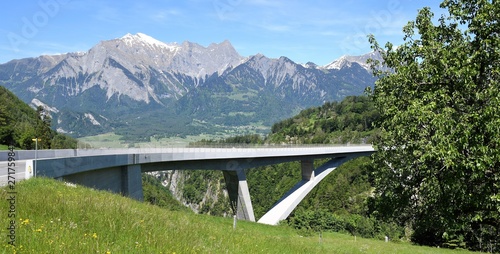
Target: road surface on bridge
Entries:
(20, 172)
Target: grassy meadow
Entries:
(54, 217)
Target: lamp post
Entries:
(36, 153)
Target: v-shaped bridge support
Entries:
(310, 178)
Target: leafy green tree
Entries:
(5, 130)
(438, 153)
(156, 194)
(60, 141)
(350, 120)
(43, 131)
(20, 124)
(3, 115)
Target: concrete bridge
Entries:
(119, 170)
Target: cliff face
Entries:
(207, 196)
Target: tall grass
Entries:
(52, 217)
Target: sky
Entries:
(318, 31)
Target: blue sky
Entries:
(319, 31)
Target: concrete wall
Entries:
(125, 180)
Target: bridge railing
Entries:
(243, 145)
(220, 148)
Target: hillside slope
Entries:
(348, 121)
(52, 217)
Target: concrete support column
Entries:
(239, 195)
(282, 209)
(307, 170)
(132, 182)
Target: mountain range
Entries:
(140, 87)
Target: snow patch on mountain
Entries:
(37, 103)
(131, 40)
(61, 130)
(347, 61)
(92, 119)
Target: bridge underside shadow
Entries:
(126, 180)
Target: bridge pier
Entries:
(239, 195)
(132, 182)
(307, 169)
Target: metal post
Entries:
(36, 154)
(234, 221)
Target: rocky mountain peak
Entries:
(310, 65)
(346, 61)
(146, 40)
(118, 80)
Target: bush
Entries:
(322, 220)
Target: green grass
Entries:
(52, 217)
(4, 147)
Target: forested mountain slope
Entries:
(19, 124)
(348, 121)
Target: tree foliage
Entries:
(348, 121)
(20, 124)
(344, 191)
(438, 153)
(157, 194)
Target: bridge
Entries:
(119, 170)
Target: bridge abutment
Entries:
(239, 195)
(125, 180)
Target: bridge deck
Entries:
(119, 170)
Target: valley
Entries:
(140, 88)
(112, 140)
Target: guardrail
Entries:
(60, 153)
